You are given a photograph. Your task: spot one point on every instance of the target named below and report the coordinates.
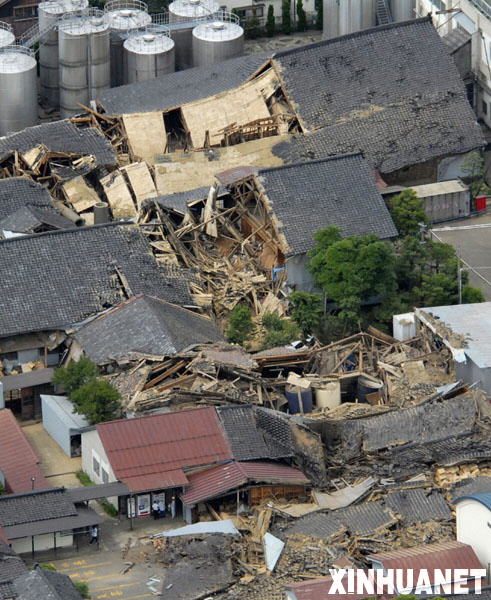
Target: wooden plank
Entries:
(146, 135)
(80, 195)
(118, 195)
(141, 181)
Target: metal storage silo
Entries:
(123, 17)
(217, 40)
(7, 38)
(84, 59)
(190, 10)
(49, 12)
(18, 89)
(403, 10)
(148, 55)
(341, 17)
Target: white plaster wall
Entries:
(41, 542)
(474, 528)
(91, 443)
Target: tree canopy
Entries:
(75, 374)
(408, 213)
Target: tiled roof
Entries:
(419, 506)
(444, 555)
(144, 325)
(175, 89)
(339, 191)
(17, 509)
(179, 201)
(483, 498)
(318, 524)
(7, 591)
(28, 219)
(392, 92)
(18, 462)
(16, 192)
(156, 447)
(74, 273)
(223, 478)
(474, 485)
(62, 136)
(247, 440)
(45, 584)
(10, 567)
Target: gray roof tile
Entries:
(392, 92)
(145, 325)
(419, 506)
(363, 519)
(28, 219)
(75, 273)
(17, 192)
(45, 584)
(16, 509)
(337, 191)
(181, 87)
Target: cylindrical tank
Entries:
(49, 12)
(18, 89)
(189, 10)
(84, 59)
(403, 10)
(7, 38)
(217, 40)
(328, 395)
(101, 213)
(123, 17)
(368, 385)
(148, 55)
(299, 399)
(341, 17)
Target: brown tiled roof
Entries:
(18, 462)
(150, 452)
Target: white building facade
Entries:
(473, 515)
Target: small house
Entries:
(63, 424)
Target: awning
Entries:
(94, 492)
(26, 380)
(86, 517)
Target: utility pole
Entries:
(459, 277)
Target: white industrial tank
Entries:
(217, 39)
(84, 59)
(403, 10)
(148, 55)
(341, 17)
(189, 10)
(18, 89)
(49, 12)
(124, 16)
(7, 38)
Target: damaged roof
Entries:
(181, 87)
(246, 437)
(222, 479)
(419, 505)
(62, 277)
(28, 219)
(45, 584)
(18, 192)
(144, 325)
(392, 92)
(309, 196)
(62, 136)
(150, 452)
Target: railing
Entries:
(483, 6)
(33, 35)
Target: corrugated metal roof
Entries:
(318, 589)
(483, 498)
(444, 555)
(24, 380)
(223, 478)
(149, 452)
(18, 462)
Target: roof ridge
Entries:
(313, 162)
(104, 424)
(65, 231)
(353, 35)
(33, 493)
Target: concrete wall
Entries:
(55, 426)
(42, 542)
(92, 448)
(473, 528)
(298, 275)
(470, 373)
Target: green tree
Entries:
(75, 374)
(319, 14)
(270, 22)
(471, 295)
(83, 588)
(474, 167)
(97, 400)
(252, 27)
(301, 18)
(408, 213)
(279, 331)
(286, 17)
(306, 310)
(240, 325)
(353, 270)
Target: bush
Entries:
(240, 325)
(48, 567)
(270, 22)
(75, 374)
(84, 478)
(279, 332)
(83, 588)
(472, 295)
(108, 508)
(97, 400)
(306, 310)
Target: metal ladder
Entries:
(33, 35)
(384, 16)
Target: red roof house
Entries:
(18, 462)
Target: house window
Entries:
(24, 13)
(105, 475)
(484, 107)
(96, 465)
(248, 12)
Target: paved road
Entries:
(102, 571)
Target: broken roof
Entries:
(62, 277)
(181, 87)
(62, 136)
(247, 439)
(18, 462)
(392, 92)
(309, 196)
(17, 192)
(150, 452)
(28, 219)
(45, 584)
(144, 325)
(419, 505)
(222, 479)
